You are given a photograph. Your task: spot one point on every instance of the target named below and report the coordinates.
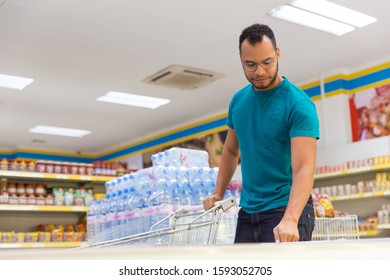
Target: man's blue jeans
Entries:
(258, 227)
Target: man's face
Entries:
(260, 64)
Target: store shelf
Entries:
(368, 233)
(384, 226)
(41, 245)
(50, 176)
(354, 171)
(361, 195)
(43, 208)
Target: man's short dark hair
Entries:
(255, 33)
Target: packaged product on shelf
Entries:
(40, 189)
(20, 189)
(4, 164)
(20, 237)
(82, 170)
(31, 166)
(88, 196)
(49, 167)
(79, 236)
(68, 236)
(22, 199)
(49, 200)
(13, 199)
(57, 167)
(13, 165)
(22, 165)
(40, 166)
(74, 168)
(69, 196)
(9, 237)
(30, 189)
(4, 195)
(31, 199)
(65, 168)
(89, 167)
(44, 236)
(31, 237)
(41, 200)
(59, 196)
(12, 188)
(323, 206)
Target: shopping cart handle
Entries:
(224, 204)
(189, 209)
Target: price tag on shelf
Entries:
(38, 245)
(37, 175)
(78, 208)
(62, 176)
(86, 178)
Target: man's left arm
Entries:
(303, 158)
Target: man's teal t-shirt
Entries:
(264, 123)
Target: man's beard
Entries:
(265, 87)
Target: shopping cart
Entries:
(345, 227)
(190, 225)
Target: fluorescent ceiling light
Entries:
(61, 131)
(133, 100)
(334, 11)
(14, 82)
(322, 15)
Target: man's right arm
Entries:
(229, 161)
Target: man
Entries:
(273, 127)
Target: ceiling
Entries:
(77, 50)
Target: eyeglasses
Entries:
(251, 66)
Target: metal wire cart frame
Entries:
(345, 227)
(187, 226)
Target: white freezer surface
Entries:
(373, 249)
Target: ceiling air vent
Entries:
(182, 77)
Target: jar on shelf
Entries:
(50, 167)
(41, 199)
(74, 168)
(21, 189)
(4, 164)
(65, 168)
(57, 167)
(30, 189)
(13, 199)
(22, 198)
(40, 189)
(89, 168)
(31, 199)
(40, 166)
(82, 169)
(14, 165)
(31, 166)
(49, 200)
(11, 188)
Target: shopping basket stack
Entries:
(345, 227)
(188, 226)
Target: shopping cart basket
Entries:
(345, 227)
(188, 226)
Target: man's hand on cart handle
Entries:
(209, 202)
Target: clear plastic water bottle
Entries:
(186, 157)
(129, 215)
(102, 220)
(157, 159)
(138, 204)
(91, 222)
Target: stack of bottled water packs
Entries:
(136, 202)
